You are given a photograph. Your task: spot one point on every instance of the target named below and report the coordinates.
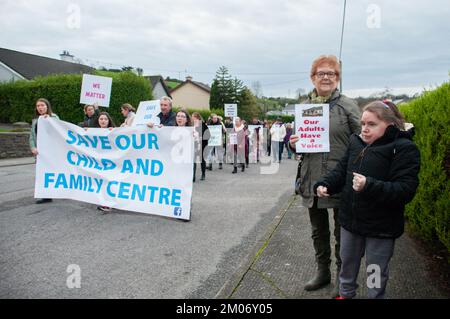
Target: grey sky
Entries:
(273, 42)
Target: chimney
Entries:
(66, 56)
(189, 78)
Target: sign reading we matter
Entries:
(95, 89)
(131, 168)
(312, 124)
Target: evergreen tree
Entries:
(247, 105)
(222, 89)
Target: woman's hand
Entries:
(359, 181)
(34, 151)
(293, 139)
(322, 191)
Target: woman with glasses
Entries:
(344, 121)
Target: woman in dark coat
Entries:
(201, 142)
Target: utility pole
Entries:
(340, 49)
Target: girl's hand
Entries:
(322, 191)
(34, 151)
(359, 181)
(293, 139)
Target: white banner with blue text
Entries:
(130, 168)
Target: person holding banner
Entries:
(104, 120)
(91, 115)
(182, 118)
(43, 108)
(128, 112)
(216, 151)
(344, 120)
(377, 176)
(201, 137)
(167, 117)
(237, 145)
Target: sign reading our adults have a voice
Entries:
(133, 168)
(312, 125)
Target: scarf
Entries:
(315, 99)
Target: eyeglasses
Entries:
(330, 75)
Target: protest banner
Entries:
(130, 168)
(312, 124)
(147, 112)
(215, 132)
(95, 89)
(230, 110)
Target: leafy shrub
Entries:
(429, 212)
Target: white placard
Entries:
(130, 168)
(233, 138)
(215, 132)
(95, 89)
(312, 124)
(147, 112)
(230, 110)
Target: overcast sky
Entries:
(387, 43)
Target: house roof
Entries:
(31, 66)
(158, 78)
(200, 85)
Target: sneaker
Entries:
(104, 208)
(43, 200)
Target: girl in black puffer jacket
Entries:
(378, 176)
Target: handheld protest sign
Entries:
(95, 89)
(230, 110)
(147, 112)
(312, 124)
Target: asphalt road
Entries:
(129, 255)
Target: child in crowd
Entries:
(378, 176)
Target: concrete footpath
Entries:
(284, 261)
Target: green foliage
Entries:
(204, 113)
(284, 118)
(17, 100)
(429, 212)
(247, 106)
(224, 89)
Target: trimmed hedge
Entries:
(429, 212)
(284, 118)
(17, 99)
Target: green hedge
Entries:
(284, 118)
(204, 113)
(17, 99)
(429, 213)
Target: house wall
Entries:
(158, 91)
(7, 75)
(191, 96)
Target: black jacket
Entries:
(168, 120)
(391, 166)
